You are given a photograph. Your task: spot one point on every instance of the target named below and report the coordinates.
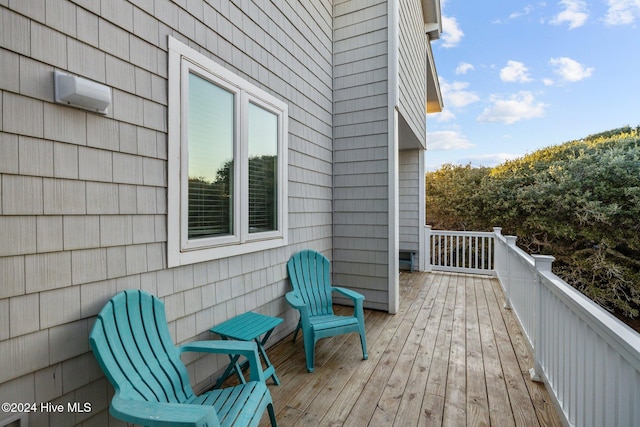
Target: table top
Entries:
(247, 326)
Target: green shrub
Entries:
(579, 201)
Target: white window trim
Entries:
(186, 67)
(181, 251)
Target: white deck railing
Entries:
(589, 360)
(460, 251)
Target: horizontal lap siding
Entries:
(83, 196)
(361, 183)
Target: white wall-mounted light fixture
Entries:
(81, 93)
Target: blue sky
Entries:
(517, 76)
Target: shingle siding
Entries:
(361, 160)
(412, 81)
(409, 200)
(83, 196)
(412, 68)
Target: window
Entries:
(263, 166)
(227, 162)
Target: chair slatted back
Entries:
(131, 342)
(311, 280)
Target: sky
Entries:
(517, 76)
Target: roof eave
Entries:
(431, 14)
(434, 95)
(432, 18)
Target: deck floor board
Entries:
(452, 355)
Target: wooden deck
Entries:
(451, 356)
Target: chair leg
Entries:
(272, 415)
(295, 334)
(359, 313)
(363, 342)
(309, 351)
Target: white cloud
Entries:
(519, 106)
(570, 70)
(451, 32)
(527, 10)
(622, 12)
(464, 67)
(445, 140)
(446, 115)
(455, 95)
(575, 14)
(515, 72)
(515, 15)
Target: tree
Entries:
(451, 197)
(579, 201)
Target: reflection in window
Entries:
(211, 163)
(263, 169)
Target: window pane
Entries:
(263, 169)
(211, 124)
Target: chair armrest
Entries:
(248, 349)
(295, 301)
(355, 296)
(358, 302)
(156, 414)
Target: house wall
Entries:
(83, 196)
(361, 158)
(412, 70)
(412, 98)
(409, 209)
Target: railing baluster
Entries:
(475, 255)
(472, 251)
(463, 251)
(491, 250)
(452, 259)
(451, 251)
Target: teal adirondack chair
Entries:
(311, 295)
(131, 342)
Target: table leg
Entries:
(233, 365)
(270, 371)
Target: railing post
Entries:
(511, 243)
(543, 263)
(427, 248)
(497, 232)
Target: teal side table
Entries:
(249, 326)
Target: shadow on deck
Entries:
(451, 356)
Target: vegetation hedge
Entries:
(579, 201)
